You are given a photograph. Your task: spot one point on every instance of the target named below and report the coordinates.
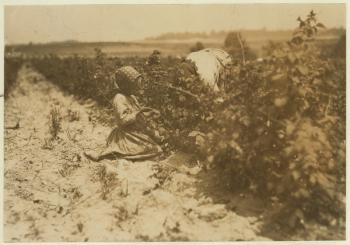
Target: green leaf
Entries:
(278, 53)
(302, 69)
(292, 220)
(296, 175)
(320, 25)
(291, 57)
(316, 81)
(302, 91)
(278, 77)
(312, 179)
(295, 79)
(304, 193)
(182, 98)
(299, 213)
(210, 158)
(323, 181)
(281, 101)
(297, 39)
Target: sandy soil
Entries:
(53, 193)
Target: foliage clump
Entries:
(197, 46)
(11, 68)
(238, 47)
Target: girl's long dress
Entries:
(129, 140)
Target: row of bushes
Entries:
(278, 129)
(11, 67)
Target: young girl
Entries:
(130, 139)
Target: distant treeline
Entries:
(168, 44)
(223, 34)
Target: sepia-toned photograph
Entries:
(174, 122)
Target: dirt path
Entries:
(52, 193)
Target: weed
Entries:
(108, 181)
(80, 227)
(73, 115)
(162, 173)
(48, 145)
(122, 214)
(67, 169)
(55, 119)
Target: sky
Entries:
(40, 24)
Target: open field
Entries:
(173, 47)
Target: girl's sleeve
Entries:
(136, 101)
(123, 109)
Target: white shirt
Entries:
(210, 63)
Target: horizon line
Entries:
(154, 38)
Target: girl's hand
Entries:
(150, 114)
(150, 111)
(156, 112)
(146, 109)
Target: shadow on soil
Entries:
(210, 184)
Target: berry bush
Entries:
(11, 67)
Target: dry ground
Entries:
(53, 193)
